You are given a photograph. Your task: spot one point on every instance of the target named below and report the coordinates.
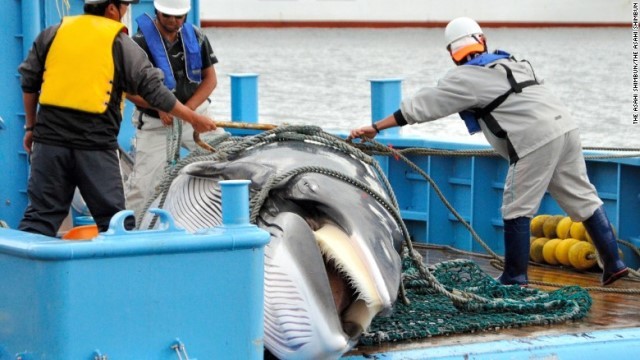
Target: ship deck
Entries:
(613, 314)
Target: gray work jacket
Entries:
(530, 119)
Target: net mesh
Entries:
(430, 313)
(450, 297)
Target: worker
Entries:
(185, 56)
(526, 124)
(73, 81)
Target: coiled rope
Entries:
(497, 261)
(462, 299)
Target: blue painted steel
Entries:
(16, 37)
(244, 102)
(386, 95)
(473, 186)
(244, 97)
(235, 212)
(133, 295)
(31, 20)
(607, 344)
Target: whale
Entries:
(333, 261)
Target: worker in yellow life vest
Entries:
(77, 72)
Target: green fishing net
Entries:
(432, 313)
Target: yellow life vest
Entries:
(79, 68)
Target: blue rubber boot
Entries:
(516, 251)
(601, 232)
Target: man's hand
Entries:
(367, 131)
(199, 122)
(27, 142)
(202, 124)
(166, 118)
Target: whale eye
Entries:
(311, 185)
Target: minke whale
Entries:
(333, 261)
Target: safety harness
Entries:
(472, 116)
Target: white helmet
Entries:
(172, 7)
(464, 36)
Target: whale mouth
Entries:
(344, 295)
(355, 293)
(332, 263)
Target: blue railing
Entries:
(473, 185)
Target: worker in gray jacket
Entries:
(73, 81)
(527, 125)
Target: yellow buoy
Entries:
(582, 255)
(578, 231)
(563, 227)
(536, 225)
(536, 249)
(549, 251)
(562, 250)
(549, 226)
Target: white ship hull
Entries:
(414, 12)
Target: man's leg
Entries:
(149, 164)
(50, 190)
(525, 186)
(100, 183)
(604, 239)
(571, 188)
(516, 251)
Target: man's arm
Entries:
(30, 101)
(138, 101)
(206, 87)
(141, 78)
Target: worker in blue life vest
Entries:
(527, 125)
(77, 72)
(183, 53)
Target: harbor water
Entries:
(321, 76)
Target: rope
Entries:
(62, 6)
(432, 314)
(497, 262)
(629, 152)
(479, 300)
(460, 298)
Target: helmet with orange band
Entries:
(464, 37)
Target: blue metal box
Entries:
(160, 294)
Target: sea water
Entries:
(321, 76)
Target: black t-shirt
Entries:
(184, 87)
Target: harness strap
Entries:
(491, 122)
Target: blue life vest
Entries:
(469, 117)
(192, 55)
